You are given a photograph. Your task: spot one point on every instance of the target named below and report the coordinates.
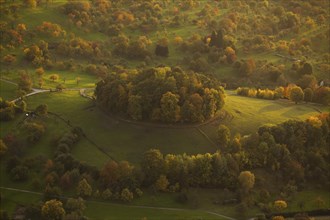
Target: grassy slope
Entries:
(248, 114)
(7, 90)
(102, 211)
(120, 139)
(126, 141)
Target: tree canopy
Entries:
(162, 94)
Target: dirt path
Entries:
(132, 206)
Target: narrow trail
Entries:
(131, 206)
(82, 91)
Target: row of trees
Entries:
(161, 94)
(293, 92)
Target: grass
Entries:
(68, 80)
(309, 200)
(7, 90)
(122, 140)
(251, 113)
(126, 141)
(10, 199)
(107, 211)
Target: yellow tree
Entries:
(53, 210)
(296, 94)
(246, 180)
(162, 183)
(84, 189)
(279, 205)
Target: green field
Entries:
(7, 90)
(128, 141)
(107, 211)
(254, 30)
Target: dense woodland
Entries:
(165, 61)
(161, 94)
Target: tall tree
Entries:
(170, 109)
(25, 82)
(296, 94)
(152, 165)
(223, 135)
(246, 180)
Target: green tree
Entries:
(107, 194)
(126, 195)
(152, 165)
(217, 39)
(296, 94)
(306, 69)
(308, 95)
(162, 183)
(53, 210)
(75, 205)
(42, 109)
(223, 135)
(170, 109)
(84, 189)
(135, 107)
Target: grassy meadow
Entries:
(128, 141)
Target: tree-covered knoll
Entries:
(161, 94)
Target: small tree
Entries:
(162, 183)
(54, 77)
(42, 109)
(60, 87)
(296, 94)
(84, 189)
(223, 135)
(53, 210)
(9, 59)
(107, 194)
(75, 205)
(126, 195)
(138, 192)
(308, 95)
(280, 205)
(40, 72)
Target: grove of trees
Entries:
(161, 94)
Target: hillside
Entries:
(167, 109)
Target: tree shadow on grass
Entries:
(271, 108)
(296, 111)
